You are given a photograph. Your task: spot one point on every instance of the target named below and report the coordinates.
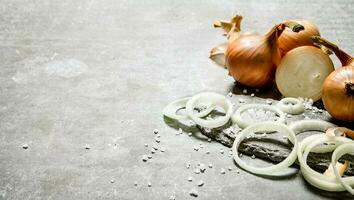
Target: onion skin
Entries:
(289, 40)
(338, 95)
(338, 88)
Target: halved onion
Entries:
(266, 127)
(242, 123)
(291, 105)
(302, 72)
(215, 99)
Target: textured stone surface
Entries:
(98, 73)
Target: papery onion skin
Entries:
(289, 40)
(297, 76)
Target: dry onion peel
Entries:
(313, 177)
(171, 109)
(338, 87)
(339, 152)
(215, 99)
(291, 106)
(217, 54)
(266, 126)
(302, 72)
(236, 117)
(342, 168)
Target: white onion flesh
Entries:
(291, 105)
(313, 177)
(266, 126)
(302, 72)
(236, 118)
(215, 99)
(339, 152)
(171, 109)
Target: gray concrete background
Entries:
(98, 73)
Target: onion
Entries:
(339, 152)
(289, 40)
(302, 72)
(171, 109)
(236, 117)
(338, 88)
(291, 106)
(315, 178)
(267, 127)
(215, 99)
(251, 58)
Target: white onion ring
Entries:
(236, 118)
(313, 125)
(286, 105)
(313, 177)
(215, 99)
(339, 152)
(171, 109)
(266, 126)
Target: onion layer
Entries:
(236, 118)
(339, 152)
(215, 99)
(266, 126)
(291, 106)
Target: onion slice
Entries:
(236, 118)
(215, 99)
(266, 126)
(171, 109)
(313, 177)
(339, 152)
(291, 105)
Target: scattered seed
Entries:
(210, 165)
(163, 149)
(238, 171)
(253, 156)
(87, 147)
(222, 171)
(229, 168)
(244, 91)
(200, 183)
(25, 146)
(207, 152)
(158, 135)
(180, 131)
(145, 158)
(149, 156)
(268, 101)
(197, 171)
(172, 197)
(230, 94)
(240, 155)
(190, 134)
(153, 151)
(209, 140)
(190, 179)
(202, 168)
(252, 95)
(193, 192)
(156, 131)
(112, 181)
(146, 145)
(196, 148)
(222, 151)
(155, 147)
(135, 183)
(188, 165)
(149, 184)
(241, 100)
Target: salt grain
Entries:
(25, 146)
(190, 179)
(253, 156)
(145, 158)
(193, 192)
(156, 131)
(222, 171)
(200, 183)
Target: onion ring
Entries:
(291, 105)
(215, 99)
(236, 118)
(339, 152)
(313, 177)
(266, 126)
(171, 109)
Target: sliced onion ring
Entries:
(313, 125)
(266, 126)
(291, 105)
(339, 152)
(171, 109)
(215, 99)
(236, 118)
(313, 177)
